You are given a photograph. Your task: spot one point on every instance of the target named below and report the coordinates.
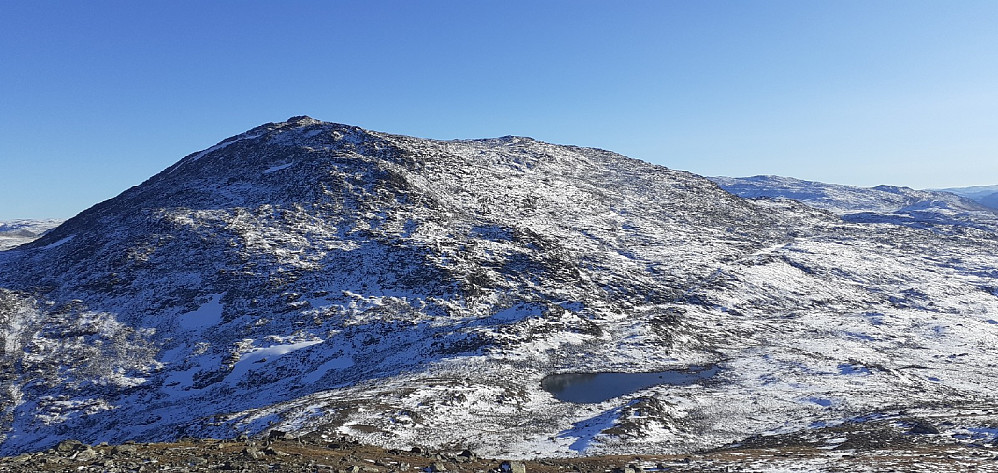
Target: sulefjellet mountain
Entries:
(311, 276)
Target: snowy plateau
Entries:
(315, 277)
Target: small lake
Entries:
(599, 387)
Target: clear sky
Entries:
(96, 96)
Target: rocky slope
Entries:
(315, 277)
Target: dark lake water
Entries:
(599, 387)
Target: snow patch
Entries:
(252, 359)
(210, 313)
(58, 243)
(587, 431)
(338, 363)
(278, 168)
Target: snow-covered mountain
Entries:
(941, 210)
(316, 277)
(19, 232)
(984, 195)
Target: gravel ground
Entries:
(345, 456)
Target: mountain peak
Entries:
(303, 120)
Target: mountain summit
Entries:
(316, 277)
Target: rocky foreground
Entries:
(917, 450)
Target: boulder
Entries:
(69, 446)
(513, 467)
(921, 427)
(86, 455)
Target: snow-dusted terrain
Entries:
(938, 210)
(310, 276)
(19, 232)
(984, 195)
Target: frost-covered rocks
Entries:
(313, 277)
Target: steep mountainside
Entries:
(943, 211)
(317, 277)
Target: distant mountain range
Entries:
(940, 210)
(19, 232)
(307, 276)
(985, 195)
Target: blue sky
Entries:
(97, 96)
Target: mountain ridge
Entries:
(984, 195)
